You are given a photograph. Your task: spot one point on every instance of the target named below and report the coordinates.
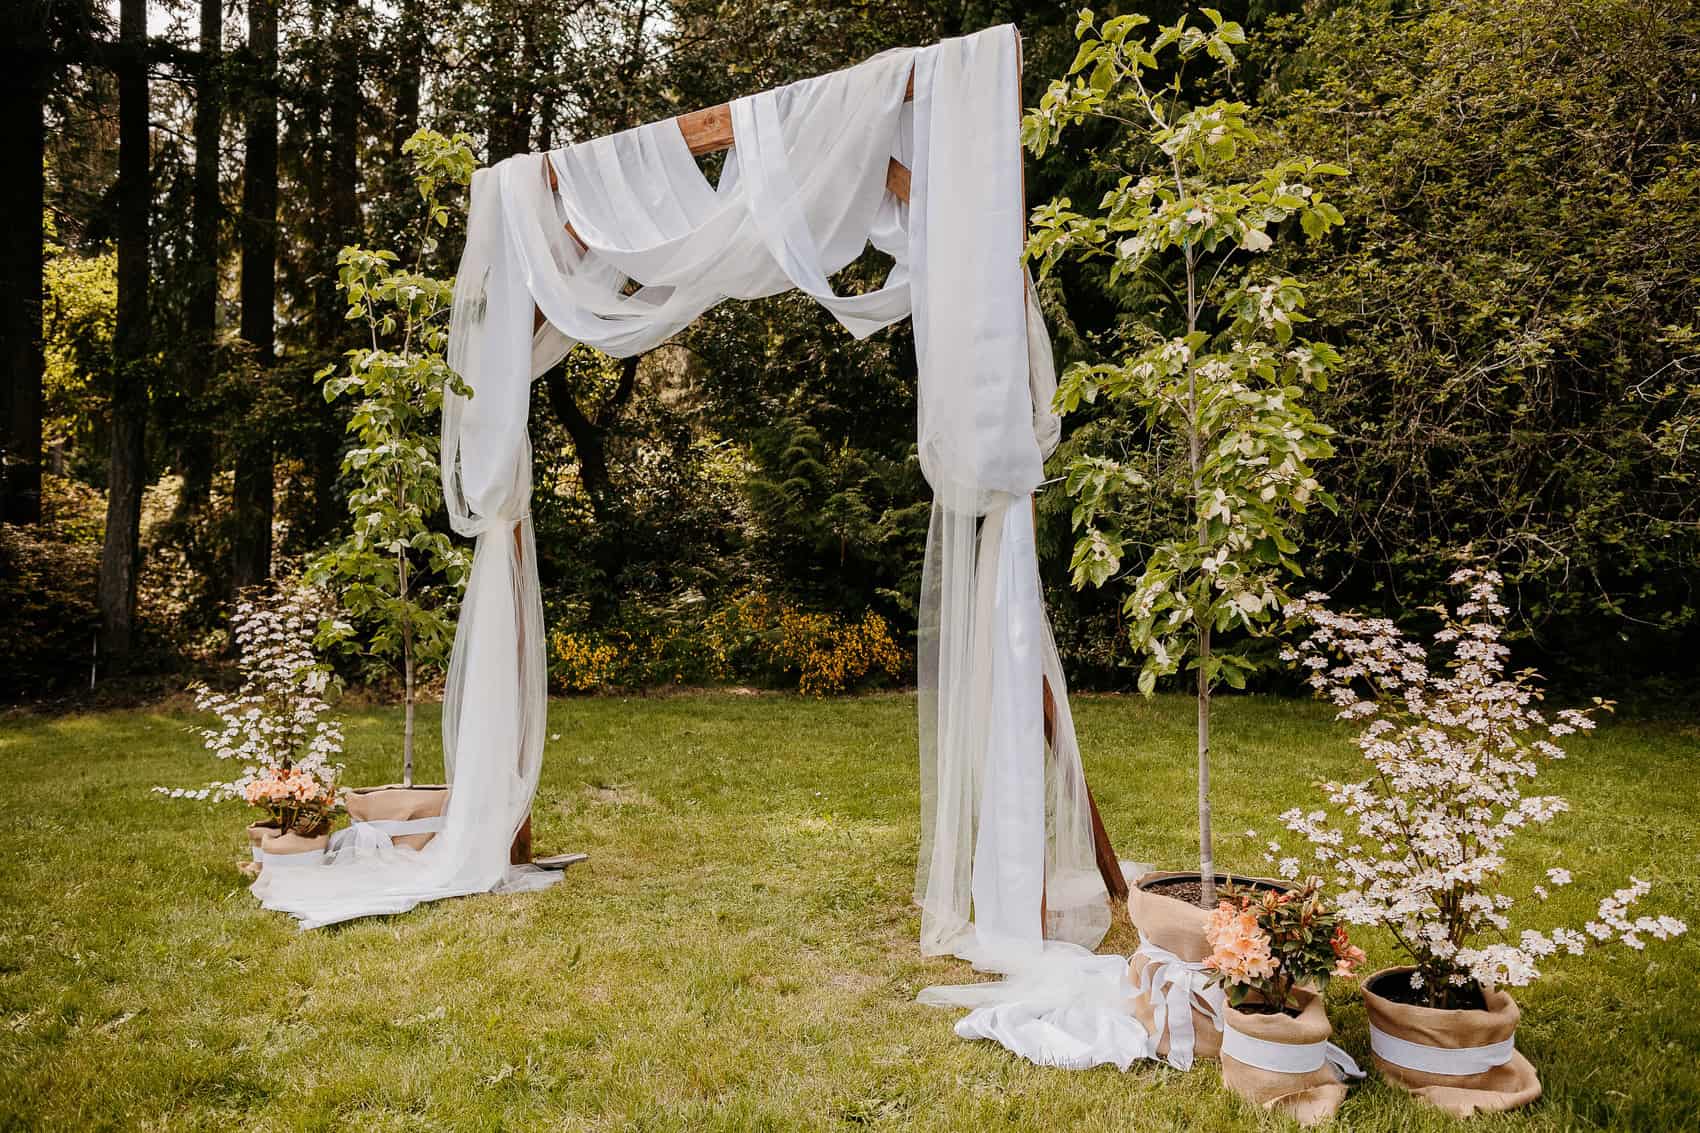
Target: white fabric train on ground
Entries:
(801, 195)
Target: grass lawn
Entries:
(740, 951)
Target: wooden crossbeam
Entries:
(709, 130)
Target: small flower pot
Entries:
(1171, 999)
(292, 849)
(257, 833)
(1285, 1063)
(1462, 1061)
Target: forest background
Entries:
(1515, 294)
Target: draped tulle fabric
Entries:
(1005, 825)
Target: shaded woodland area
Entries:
(1516, 296)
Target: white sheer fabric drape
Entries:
(1005, 825)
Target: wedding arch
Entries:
(620, 243)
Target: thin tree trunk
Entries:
(23, 138)
(407, 676)
(1195, 459)
(1206, 843)
(127, 470)
(254, 494)
(193, 428)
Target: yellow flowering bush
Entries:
(756, 638)
(581, 663)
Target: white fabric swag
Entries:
(1005, 825)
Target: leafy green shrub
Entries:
(47, 611)
(756, 639)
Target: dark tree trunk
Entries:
(251, 551)
(344, 188)
(510, 112)
(410, 62)
(339, 225)
(127, 472)
(194, 429)
(589, 435)
(26, 61)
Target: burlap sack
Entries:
(397, 804)
(293, 843)
(1206, 1038)
(1308, 1098)
(257, 832)
(1176, 926)
(1504, 1087)
(1172, 925)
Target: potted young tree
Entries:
(398, 574)
(1420, 846)
(1201, 451)
(276, 725)
(1274, 953)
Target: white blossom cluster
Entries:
(278, 719)
(1420, 845)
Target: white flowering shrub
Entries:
(277, 723)
(1419, 846)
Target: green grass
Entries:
(738, 954)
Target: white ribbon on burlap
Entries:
(1173, 987)
(1287, 1058)
(380, 833)
(1453, 1062)
(307, 857)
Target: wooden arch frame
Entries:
(709, 130)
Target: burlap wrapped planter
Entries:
(1285, 1063)
(257, 833)
(391, 806)
(1463, 1062)
(291, 849)
(1171, 999)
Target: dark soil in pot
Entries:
(1191, 889)
(1395, 986)
(1267, 1009)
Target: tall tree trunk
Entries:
(194, 429)
(1195, 461)
(26, 64)
(410, 62)
(339, 224)
(254, 504)
(127, 470)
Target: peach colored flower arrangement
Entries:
(297, 798)
(1266, 945)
